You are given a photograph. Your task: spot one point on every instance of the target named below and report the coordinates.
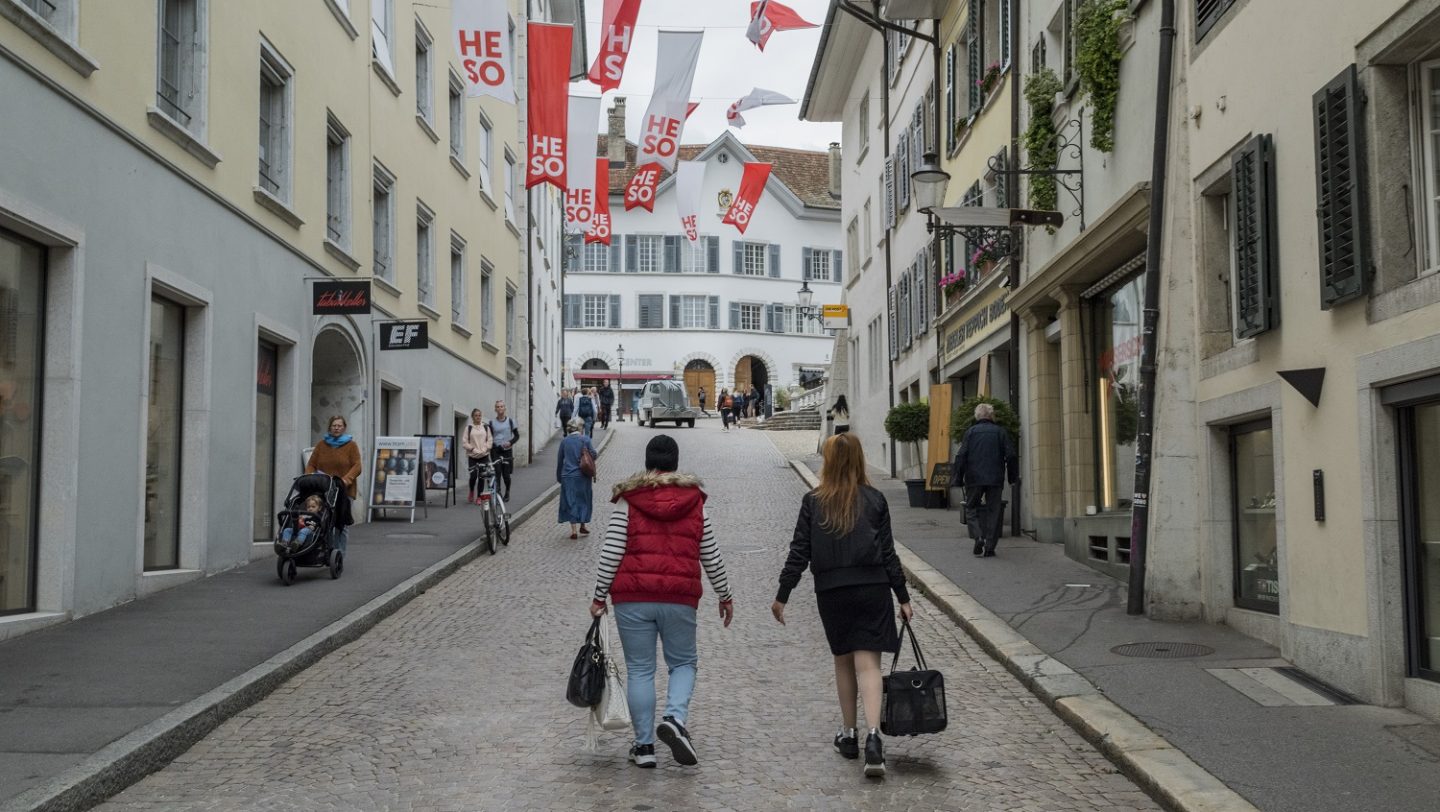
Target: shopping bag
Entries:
(613, 712)
(587, 673)
(914, 701)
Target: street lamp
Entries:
(931, 183)
(805, 302)
(620, 354)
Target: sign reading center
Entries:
(986, 316)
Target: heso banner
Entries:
(766, 18)
(482, 38)
(600, 225)
(583, 128)
(549, 109)
(752, 186)
(669, 106)
(689, 195)
(617, 32)
(640, 194)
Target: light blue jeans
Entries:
(639, 624)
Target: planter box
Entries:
(915, 488)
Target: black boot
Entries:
(979, 547)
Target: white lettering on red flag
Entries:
(767, 17)
(482, 39)
(752, 187)
(617, 33)
(600, 224)
(640, 193)
(664, 120)
(582, 128)
(548, 104)
(689, 196)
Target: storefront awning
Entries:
(612, 375)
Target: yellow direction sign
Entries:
(837, 316)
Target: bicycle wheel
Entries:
(502, 527)
(487, 511)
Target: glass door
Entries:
(1252, 478)
(1420, 524)
(265, 411)
(22, 300)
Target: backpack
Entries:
(586, 408)
(729, 402)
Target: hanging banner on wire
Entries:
(752, 186)
(617, 32)
(689, 196)
(766, 18)
(670, 104)
(600, 223)
(549, 67)
(759, 97)
(482, 38)
(583, 127)
(640, 193)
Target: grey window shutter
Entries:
(714, 312)
(574, 253)
(974, 44)
(1007, 19)
(805, 259)
(1340, 189)
(892, 320)
(615, 310)
(1207, 13)
(922, 303)
(774, 261)
(917, 137)
(769, 318)
(905, 312)
(889, 192)
(632, 254)
(1252, 193)
(672, 254)
(572, 310)
(712, 254)
(902, 172)
(837, 266)
(734, 315)
(951, 98)
(739, 257)
(675, 312)
(616, 259)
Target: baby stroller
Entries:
(317, 549)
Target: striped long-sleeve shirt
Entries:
(617, 535)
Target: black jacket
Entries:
(986, 457)
(607, 396)
(865, 556)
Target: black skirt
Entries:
(859, 618)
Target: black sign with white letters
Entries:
(404, 335)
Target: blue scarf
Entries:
(336, 442)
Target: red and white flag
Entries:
(549, 104)
(600, 225)
(758, 97)
(766, 18)
(583, 127)
(670, 104)
(640, 193)
(617, 32)
(689, 196)
(752, 186)
(482, 38)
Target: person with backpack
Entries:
(577, 498)
(727, 405)
(701, 398)
(505, 434)
(738, 396)
(585, 409)
(477, 443)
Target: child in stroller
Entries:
(303, 523)
(308, 525)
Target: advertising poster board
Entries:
(395, 474)
(437, 457)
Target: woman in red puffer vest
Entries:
(658, 540)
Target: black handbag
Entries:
(587, 675)
(914, 701)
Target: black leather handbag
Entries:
(587, 675)
(914, 701)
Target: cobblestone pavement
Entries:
(457, 701)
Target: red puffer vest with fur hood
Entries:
(662, 546)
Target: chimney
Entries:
(615, 140)
(835, 164)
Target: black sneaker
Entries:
(846, 744)
(979, 547)
(643, 755)
(874, 756)
(674, 734)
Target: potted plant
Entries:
(953, 284)
(989, 79)
(910, 423)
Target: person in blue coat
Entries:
(577, 497)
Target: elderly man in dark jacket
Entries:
(985, 461)
(607, 402)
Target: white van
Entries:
(665, 401)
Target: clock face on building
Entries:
(725, 198)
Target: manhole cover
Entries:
(409, 535)
(1164, 651)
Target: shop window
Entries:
(1419, 436)
(266, 403)
(163, 435)
(22, 285)
(1252, 478)
(1117, 394)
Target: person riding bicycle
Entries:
(506, 434)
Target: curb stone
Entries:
(1169, 776)
(130, 758)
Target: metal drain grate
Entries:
(1162, 651)
(409, 535)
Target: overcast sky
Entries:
(730, 67)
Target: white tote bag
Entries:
(613, 712)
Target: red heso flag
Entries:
(600, 223)
(766, 18)
(549, 104)
(752, 186)
(617, 32)
(641, 191)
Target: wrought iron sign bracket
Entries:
(1068, 140)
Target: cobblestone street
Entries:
(457, 701)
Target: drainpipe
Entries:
(1017, 237)
(1140, 511)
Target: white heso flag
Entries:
(689, 196)
(759, 97)
(583, 131)
(482, 38)
(665, 117)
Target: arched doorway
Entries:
(338, 385)
(593, 372)
(751, 371)
(700, 375)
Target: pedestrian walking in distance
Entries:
(506, 434)
(586, 408)
(577, 498)
(701, 398)
(607, 402)
(477, 442)
(985, 461)
(564, 408)
(337, 454)
(843, 536)
(658, 539)
(726, 405)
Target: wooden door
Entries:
(697, 378)
(742, 375)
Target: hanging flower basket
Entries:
(953, 284)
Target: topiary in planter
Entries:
(909, 423)
(964, 417)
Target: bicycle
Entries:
(493, 512)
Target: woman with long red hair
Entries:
(843, 536)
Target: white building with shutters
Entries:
(720, 312)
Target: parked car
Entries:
(665, 400)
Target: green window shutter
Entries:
(1007, 19)
(951, 98)
(975, 57)
(712, 254)
(672, 254)
(1342, 209)
(774, 261)
(739, 257)
(893, 321)
(714, 312)
(1002, 180)
(1252, 192)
